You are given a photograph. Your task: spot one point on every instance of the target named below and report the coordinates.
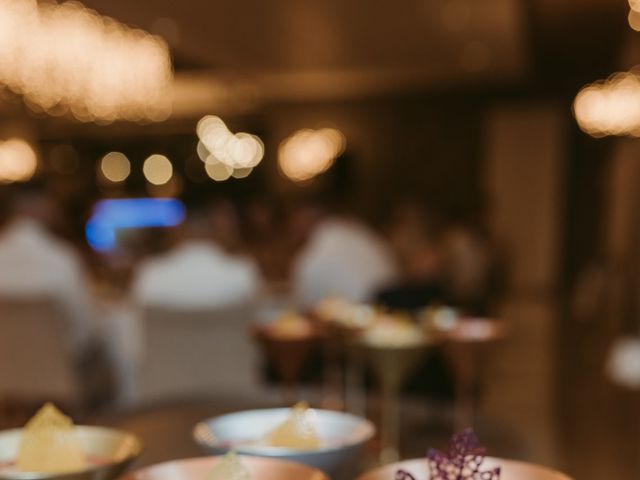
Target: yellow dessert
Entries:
(341, 312)
(49, 444)
(290, 325)
(394, 332)
(297, 432)
(230, 467)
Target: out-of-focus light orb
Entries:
(308, 153)
(237, 151)
(634, 19)
(115, 167)
(202, 151)
(18, 161)
(610, 107)
(64, 58)
(157, 169)
(217, 170)
(242, 172)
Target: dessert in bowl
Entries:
(509, 470)
(464, 460)
(229, 467)
(328, 440)
(51, 447)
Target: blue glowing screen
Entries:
(109, 216)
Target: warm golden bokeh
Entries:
(227, 154)
(115, 167)
(18, 161)
(157, 169)
(611, 107)
(66, 58)
(308, 153)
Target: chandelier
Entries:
(65, 58)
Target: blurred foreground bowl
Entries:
(510, 470)
(111, 450)
(345, 436)
(200, 468)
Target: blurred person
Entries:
(342, 255)
(263, 224)
(198, 273)
(471, 275)
(414, 236)
(345, 258)
(225, 224)
(36, 263)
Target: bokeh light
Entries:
(115, 167)
(242, 172)
(64, 58)
(218, 145)
(18, 161)
(157, 169)
(610, 107)
(217, 170)
(634, 19)
(308, 153)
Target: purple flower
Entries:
(462, 462)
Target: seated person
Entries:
(342, 257)
(413, 232)
(34, 263)
(198, 273)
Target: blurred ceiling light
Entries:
(218, 145)
(610, 107)
(115, 167)
(308, 153)
(202, 151)
(216, 170)
(66, 58)
(634, 20)
(242, 172)
(157, 169)
(18, 161)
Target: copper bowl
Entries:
(199, 468)
(115, 449)
(510, 470)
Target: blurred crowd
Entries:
(229, 254)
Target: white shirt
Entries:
(34, 263)
(196, 275)
(343, 258)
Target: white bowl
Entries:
(345, 434)
(509, 470)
